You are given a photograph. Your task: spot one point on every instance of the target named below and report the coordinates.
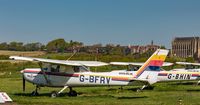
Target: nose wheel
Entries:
(35, 92)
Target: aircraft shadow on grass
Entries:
(117, 97)
(42, 94)
(193, 90)
(81, 94)
(146, 88)
(183, 83)
(133, 97)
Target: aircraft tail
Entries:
(154, 62)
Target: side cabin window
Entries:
(191, 67)
(134, 68)
(76, 69)
(55, 68)
(81, 69)
(50, 67)
(46, 67)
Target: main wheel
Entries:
(54, 94)
(72, 93)
(139, 90)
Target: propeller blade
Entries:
(24, 84)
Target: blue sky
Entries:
(99, 21)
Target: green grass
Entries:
(162, 94)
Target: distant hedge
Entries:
(4, 57)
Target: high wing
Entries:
(62, 62)
(137, 63)
(187, 63)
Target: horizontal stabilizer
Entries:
(188, 63)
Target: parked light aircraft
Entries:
(189, 67)
(68, 74)
(161, 75)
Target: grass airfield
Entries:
(175, 93)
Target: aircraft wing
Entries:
(187, 63)
(127, 63)
(62, 62)
(137, 63)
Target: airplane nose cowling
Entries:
(22, 71)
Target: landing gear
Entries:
(140, 89)
(54, 94)
(72, 93)
(198, 82)
(35, 92)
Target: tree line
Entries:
(57, 45)
(60, 45)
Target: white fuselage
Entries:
(114, 78)
(60, 79)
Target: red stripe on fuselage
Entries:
(195, 75)
(162, 74)
(31, 71)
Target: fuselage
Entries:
(60, 79)
(113, 78)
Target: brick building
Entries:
(186, 47)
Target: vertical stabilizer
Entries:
(154, 62)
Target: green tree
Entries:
(57, 45)
(16, 46)
(4, 46)
(33, 46)
(117, 50)
(75, 43)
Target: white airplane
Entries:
(68, 74)
(191, 72)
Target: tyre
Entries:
(34, 93)
(54, 94)
(72, 93)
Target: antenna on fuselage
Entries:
(72, 55)
(79, 63)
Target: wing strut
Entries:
(44, 74)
